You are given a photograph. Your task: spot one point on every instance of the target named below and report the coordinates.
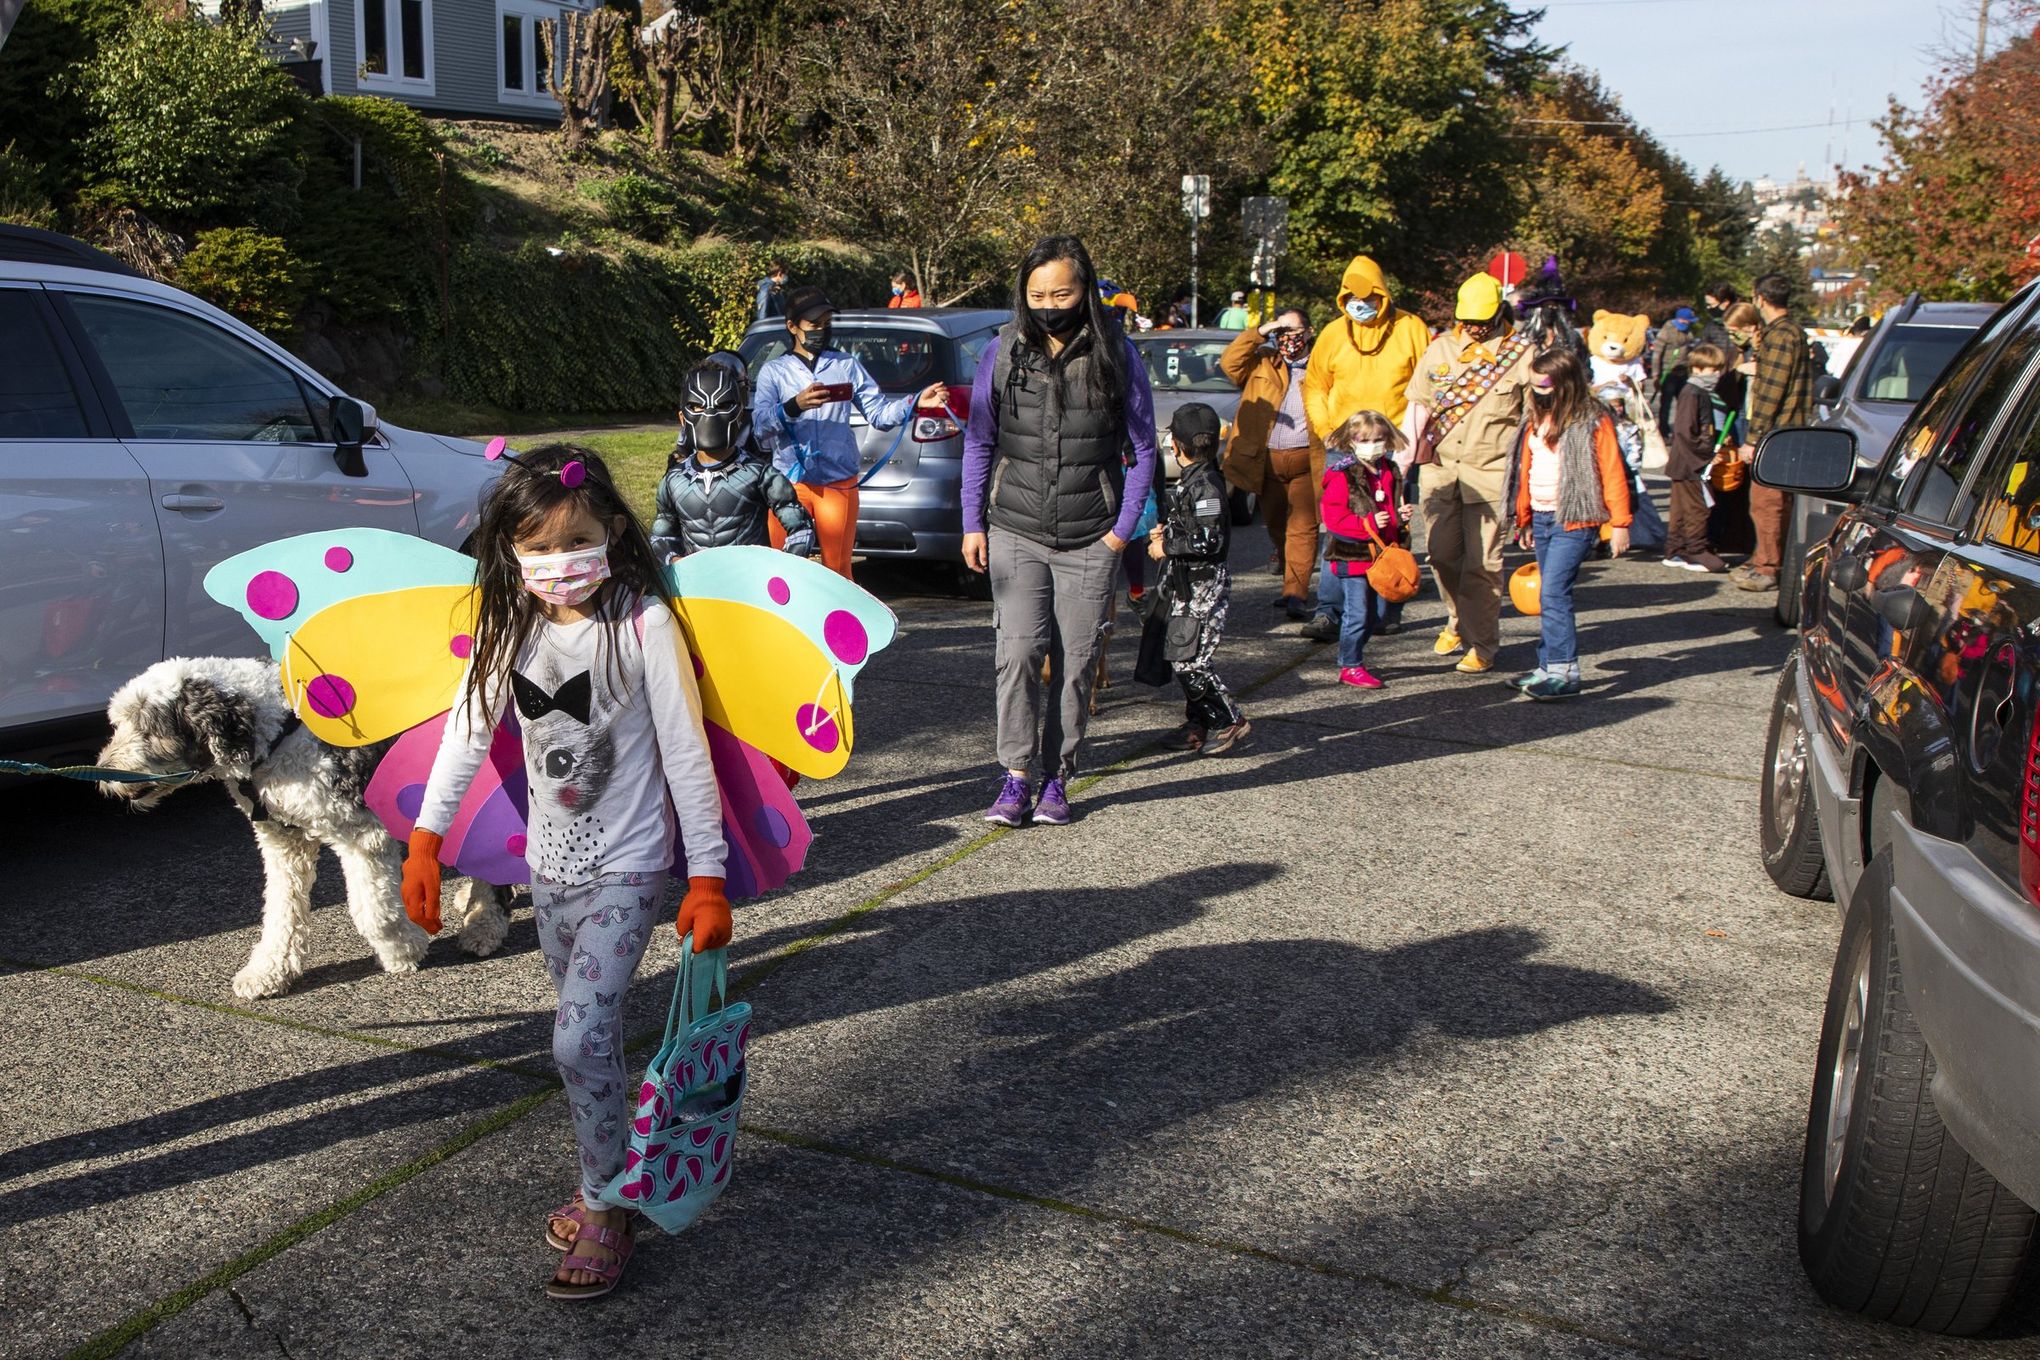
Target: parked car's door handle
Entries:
(193, 503)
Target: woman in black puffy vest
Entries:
(1048, 503)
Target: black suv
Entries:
(1903, 779)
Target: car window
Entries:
(1936, 482)
(1184, 365)
(37, 400)
(181, 377)
(972, 348)
(1906, 364)
(2010, 493)
(897, 358)
(1923, 429)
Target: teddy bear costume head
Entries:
(1617, 337)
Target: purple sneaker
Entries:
(1011, 807)
(1053, 807)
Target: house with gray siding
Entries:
(471, 58)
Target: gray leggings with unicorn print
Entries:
(593, 935)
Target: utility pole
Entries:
(1197, 205)
(1982, 30)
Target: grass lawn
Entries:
(636, 461)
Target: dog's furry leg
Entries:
(290, 860)
(375, 901)
(484, 920)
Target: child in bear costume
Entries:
(1615, 346)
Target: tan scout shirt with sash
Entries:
(1476, 450)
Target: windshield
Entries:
(898, 359)
(1911, 357)
(1183, 365)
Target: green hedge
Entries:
(596, 331)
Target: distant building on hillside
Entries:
(471, 58)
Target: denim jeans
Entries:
(1559, 553)
(1361, 615)
(1331, 596)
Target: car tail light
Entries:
(933, 424)
(2029, 819)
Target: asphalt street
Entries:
(1432, 1023)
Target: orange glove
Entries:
(421, 881)
(706, 913)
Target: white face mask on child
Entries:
(1370, 450)
(566, 578)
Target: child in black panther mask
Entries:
(719, 489)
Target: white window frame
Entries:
(530, 13)
(394, 82)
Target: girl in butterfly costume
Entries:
(612, 730)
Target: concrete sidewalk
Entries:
(1432, 1023)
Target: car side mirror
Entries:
(1848, 573)
(1897, 606)
(353, 424)
(1827, 389)
(1809, 460)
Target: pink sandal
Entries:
(575, 1211)
(607, 1272)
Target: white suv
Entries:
(145, 436)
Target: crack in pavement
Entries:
(1397, 729)
(234, 1293)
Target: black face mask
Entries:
(1543, 398)
(1061, 322)
(818, 339)
(713, 409)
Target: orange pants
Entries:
(833, 508)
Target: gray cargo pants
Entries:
(1040, 595)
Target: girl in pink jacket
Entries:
(1360, 508)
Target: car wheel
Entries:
(1243, 505)
(1791, 573)
(1790, 824)
(1896, 1221)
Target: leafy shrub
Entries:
(643, 207)
(194, 119)
(244, 272)
(40, 112)
(22, 200)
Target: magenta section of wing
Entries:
(768, 838)
(486, 840)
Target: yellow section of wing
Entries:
(766, 682)
(368, 668)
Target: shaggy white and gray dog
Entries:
(225, 717)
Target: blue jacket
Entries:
(819, 446)
(771, 302)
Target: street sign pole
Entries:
(1197, 205)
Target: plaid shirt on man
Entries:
(1782, 391)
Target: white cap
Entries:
(1239, 296)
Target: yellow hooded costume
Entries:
(1363, 366)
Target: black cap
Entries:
(1194, 421)
(805, 301)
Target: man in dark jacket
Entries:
(1193, 537)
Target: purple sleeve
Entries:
(978, 435)
(1140, 428)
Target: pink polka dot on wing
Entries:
(330, 696)
(272, 595)
(846, 637)
(818, 727)
(338, 559)
(700, 669)
(462, 646)
(779, 590)
(515, 845)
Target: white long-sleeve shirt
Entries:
(605, 793)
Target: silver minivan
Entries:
(144, 437)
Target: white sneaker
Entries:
(1679, 562)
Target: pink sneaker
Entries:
(1359, 677)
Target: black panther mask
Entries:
(716, 408)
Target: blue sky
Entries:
(1686, 67)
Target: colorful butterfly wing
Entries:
(778, 641)
(487, 837)
(366, 669)
(280, 585)
(768, 838)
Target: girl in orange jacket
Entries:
(1570, 480)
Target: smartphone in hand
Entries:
(835, 391)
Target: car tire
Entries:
(1896, 1221)
(1788, 821)
(1242, 504)
(1791, 572)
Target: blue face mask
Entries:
(1361, 310)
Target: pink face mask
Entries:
(566, 578)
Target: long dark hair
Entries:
(527, 494)
(1101, 329)
(1572, 399)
